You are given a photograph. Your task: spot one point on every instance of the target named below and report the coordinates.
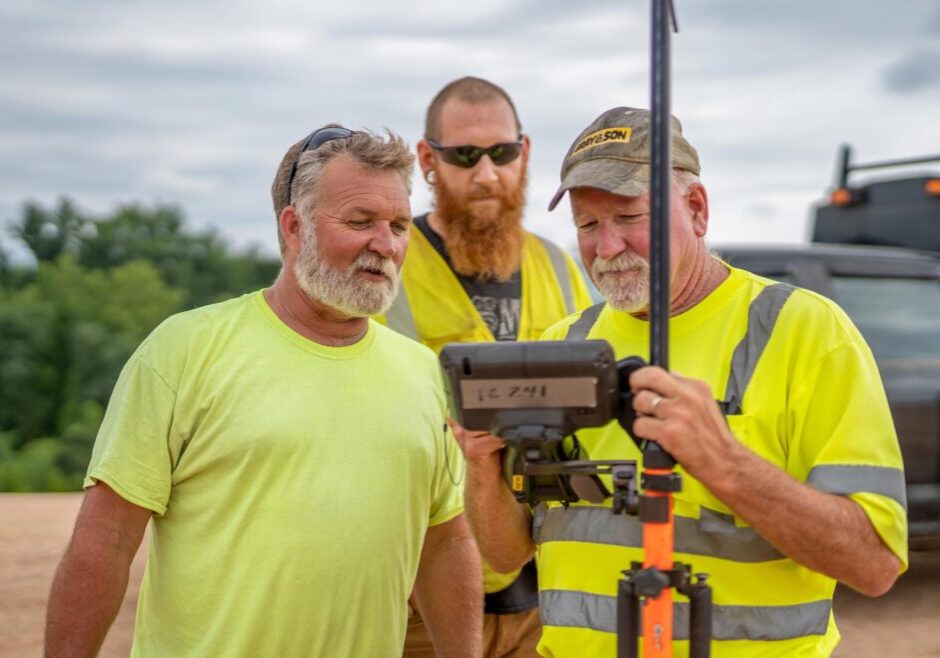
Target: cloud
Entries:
(195, 103)
(916, 71)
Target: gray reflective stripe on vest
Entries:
(581, 327)
(729, 622)
(560, 265)
(761, 317)
(399, 315)
(539, 513)
(843, 479)
(714, 534)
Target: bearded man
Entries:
(474, 274)
(291, 453)
(791, 483)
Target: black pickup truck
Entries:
(891, 292)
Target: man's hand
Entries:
(480, 449)
(681, 415)
(501, 525)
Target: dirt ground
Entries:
(34, 530)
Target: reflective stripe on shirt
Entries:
(844, 479)
(714, 534)
(729, 622)
(581, 327)
(761, 317)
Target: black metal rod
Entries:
(700, 620)
(660, 184)
(845, 154)
(661, 176)
(895, 163)
(846, 166)
(628, 620)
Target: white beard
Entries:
(341, 289)
(624, 281)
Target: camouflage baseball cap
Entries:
(613, 154)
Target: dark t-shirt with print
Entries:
(498, 302)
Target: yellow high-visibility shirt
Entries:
(292, 483)
(811, 402)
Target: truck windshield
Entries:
(900, 318)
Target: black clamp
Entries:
(655, 509)
(671, 482)
(649, 582)
(626, 499)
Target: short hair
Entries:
(469, 90)
(368, 149)
(684, 180)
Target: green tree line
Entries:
(68, 323)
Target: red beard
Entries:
(486, 245)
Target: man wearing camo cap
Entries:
(792, 482)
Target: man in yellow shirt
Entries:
(472, 274)
(292, 453)
(792, 483)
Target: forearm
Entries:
(821, 531)
(91, 580)
(502, 527)
(86, 595)
(824, 532)
(450, 595)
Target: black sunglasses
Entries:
(468, 156)
(315, 140)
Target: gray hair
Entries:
(683, 180)
(368, 149)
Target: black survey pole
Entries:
(660, 183)
(660, 174)
(644, 598)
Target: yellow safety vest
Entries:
(433, 308)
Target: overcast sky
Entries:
(194, 103)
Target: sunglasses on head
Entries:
(315, 140)
(468, 156)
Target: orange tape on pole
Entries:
(658, 543)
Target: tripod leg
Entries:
(700, 619)
(628, 620)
